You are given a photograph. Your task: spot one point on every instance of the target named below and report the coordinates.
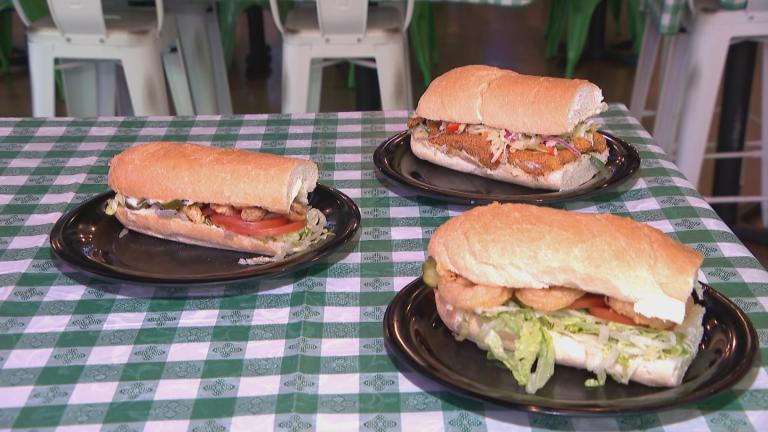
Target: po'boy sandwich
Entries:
(222, 198)
(536, 286)
(522, 129)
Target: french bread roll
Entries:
(166, 171)
(176, 229)
(522, 246)
(501, 98)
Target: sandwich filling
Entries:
(618, 338)
(297, 230)
(489, 147)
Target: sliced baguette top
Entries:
(167, 171)
(522, 246)
(502, 98)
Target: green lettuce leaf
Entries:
(534, 346)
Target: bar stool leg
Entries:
(41, 79)
(218, 63)
(674, 68)
(146, 81)
(644, 71)
(764, 135)
(192, 26)
(392, 77)
(315, 86)
(707, 57)
(297, 62)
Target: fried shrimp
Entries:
(194, 213)
(462, 293)
(252, 214)
(224, 209)
(627, 309)
(548, 299)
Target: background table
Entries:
(299, 352)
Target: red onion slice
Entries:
(511, 136)
(564, 143)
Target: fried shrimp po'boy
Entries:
(223, 198)
(528, 130)
(536, 286)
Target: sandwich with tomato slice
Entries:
(528, 130)
(536, 287)
(222, 198)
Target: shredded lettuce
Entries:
(613, 343)
(533, 346)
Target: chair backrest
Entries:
(78, 17)
(342, 19)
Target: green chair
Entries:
(576, 15)
(6, 35)
(33, 9)
(423, 40)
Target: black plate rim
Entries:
(384, 167)
(292, 263)
(404, 355)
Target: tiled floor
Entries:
(466, 34)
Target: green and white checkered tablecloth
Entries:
(303, 351)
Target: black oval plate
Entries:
(415, 336)
(395, 161)
(90, 240)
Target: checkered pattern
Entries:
(303, 351)
(667, 14)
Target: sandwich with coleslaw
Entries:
(536, 287)
(222, 198)
(528, 130)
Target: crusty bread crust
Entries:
(455, 96)
(505, 99)
(172, 228)
(571, 352)
(523, 246)
(168, 171)
(570, 176)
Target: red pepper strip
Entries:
(548, 150)
(452, 127)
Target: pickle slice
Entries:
(429, 271)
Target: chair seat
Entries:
(123, 28)
(303, 20)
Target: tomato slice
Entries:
(588, 301)
(452, 127)
(262, 228)
(284, 229)
(610, 315)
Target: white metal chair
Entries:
(693, 65)
(198, 27)
(315, 36)
(141, 39)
